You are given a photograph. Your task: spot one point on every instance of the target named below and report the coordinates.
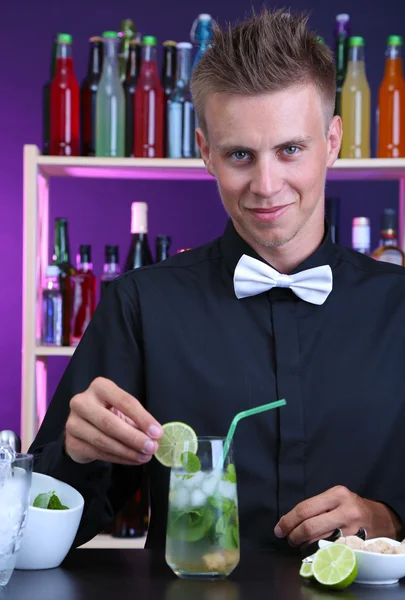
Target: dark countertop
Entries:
(143, 575)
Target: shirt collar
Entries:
(233, 247)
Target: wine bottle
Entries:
(139, 254)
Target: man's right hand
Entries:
(106, 423)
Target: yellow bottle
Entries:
(356, 104)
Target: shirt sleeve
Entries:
(111, 348)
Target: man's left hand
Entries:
(318, 517)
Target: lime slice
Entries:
(306, 570)
(177, 438)
(335, 566)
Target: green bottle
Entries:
(126, 34)
(61, 258)
(110, 104)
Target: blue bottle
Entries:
(201, 36)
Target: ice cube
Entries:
(181, 498)
(198, 498)
(208, 485)
(227, 489)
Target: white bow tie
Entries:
(254, 277)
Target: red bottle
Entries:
(149, 103)
(64, 102)
(84, 297)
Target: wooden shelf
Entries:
(103, 541)
(54, 350)
(193, 169)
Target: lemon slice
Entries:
(177, 438)
(335, 566)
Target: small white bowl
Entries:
(49, 534)
(375, 568)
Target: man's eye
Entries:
(240, 155)
(291, 150)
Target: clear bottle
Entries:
(110, 111)
(163, 243)
(361, 235)
(342, 35)
(139, 254)
(356, 104)
(201, 36)
(133, 68)
(84, 299)
(64, 137)
(149, 104)
(391, 103)
(52, 308)
(388, 249)
(181, 120)
(111, 268)
(126, 34)
(88, 97)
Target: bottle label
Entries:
(174, 137)
(391, 256)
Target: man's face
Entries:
(269, 154)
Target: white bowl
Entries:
(375, 568)
(49, 534)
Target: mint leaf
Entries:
(190, 462)
(222, 504)
(55, 503)
(230, 538)
(230, 475)
(42, 500)
(221, 525)
(190, 526)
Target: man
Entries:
(203, 336)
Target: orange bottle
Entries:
(391, 103)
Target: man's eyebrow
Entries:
(234, 147)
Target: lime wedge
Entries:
(306, 570)
(177, 438)
(335, 566)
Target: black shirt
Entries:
(175, 336)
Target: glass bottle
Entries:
(168, 81)
(342, 35)
(111, 268)
(126, 34)
(61, 258)
(46, 101)
(110, 105)
(163, 243)
(84, 300)
(388, 249)
(181, 122)
(133, 67)
(356, 104)
(88, 97)
(391, 103)
(52, 307)
(64, 102)
(149, 100)
(139, 254)
(361, 235)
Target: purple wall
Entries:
(190, 212)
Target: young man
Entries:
(273, 309)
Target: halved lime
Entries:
(177, 438)
(306, 570)
(335, 566)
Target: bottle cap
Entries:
(184, 46)
(127, 24)
(361, 233)
(356, 41)
(320, 39)
(149, 40)
(110, 34)
(96, 39)
(85, 253)
(64, 38)
(52, 271)
(169, 43)
(139, 217)
(111, 254)
(204, 17)
(394, 40)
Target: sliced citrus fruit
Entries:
(335, 566)
(177, 438)
(306, 570)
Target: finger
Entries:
(307, 509)
(109, 393)
(80, 448)
(324, 537)
(95, 444)
(316, 528)
(112, 427)
(119, 414)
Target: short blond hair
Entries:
(269, 52)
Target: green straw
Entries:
(242, 415)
